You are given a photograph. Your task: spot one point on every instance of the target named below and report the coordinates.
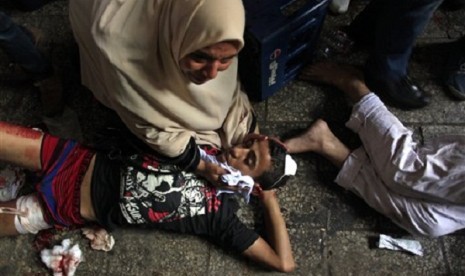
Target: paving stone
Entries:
(454, 251)
(354, 253)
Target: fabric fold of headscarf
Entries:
(130, 52)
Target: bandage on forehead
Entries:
(290, 166)
(290, 169)
(283, 166)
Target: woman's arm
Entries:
(277, 252)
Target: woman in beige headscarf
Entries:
(169, 70)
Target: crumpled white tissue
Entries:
(244, 183)
(99, 238)
(62, 259)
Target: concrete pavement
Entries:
(332, 231)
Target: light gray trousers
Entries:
(420, 188)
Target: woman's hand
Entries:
(212, 172)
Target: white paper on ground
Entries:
(391, 243)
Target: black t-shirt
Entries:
(164, 198)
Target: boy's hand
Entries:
(256, 191)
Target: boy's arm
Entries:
(277, 252)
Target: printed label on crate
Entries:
(273, 66)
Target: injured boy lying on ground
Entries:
(419, 187)
(79, 186)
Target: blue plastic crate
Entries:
(280, 39)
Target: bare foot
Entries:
(319, 139)
(344, 77)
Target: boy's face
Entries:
(252, 157)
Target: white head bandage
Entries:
(290, 167)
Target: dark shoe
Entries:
(455, 70)
(402, 93)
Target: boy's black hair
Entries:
(274, 177)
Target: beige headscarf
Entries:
(130, 52)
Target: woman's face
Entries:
(204, 64)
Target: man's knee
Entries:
(437, 228)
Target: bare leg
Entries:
(23, 215)
(7, 221)
(20, 146)
(319, 139)
(345, 77)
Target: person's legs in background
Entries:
(21, 49)
(455, 69)
(454, 76)
(389, 28)
(21, 46)
(363, 28)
